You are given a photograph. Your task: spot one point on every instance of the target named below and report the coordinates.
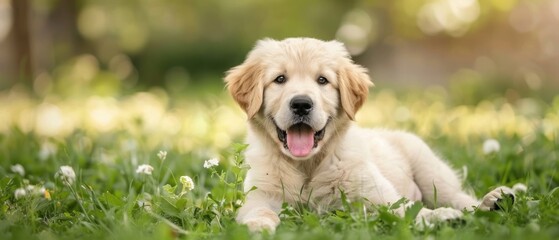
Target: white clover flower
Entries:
(18, 169)
(187, 183)
(19, 193)
(491, 146)
(34, 190)
(211, 163)
(30, 188)
(144, 169)
(66, 174)
(162, 155)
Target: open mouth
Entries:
(300, 138)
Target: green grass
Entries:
(109, 200)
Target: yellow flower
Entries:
(47, 194)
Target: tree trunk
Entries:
(21, 39)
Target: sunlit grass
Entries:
(105, 139)
(215, 122)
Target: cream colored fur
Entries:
(379, 165)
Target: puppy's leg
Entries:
(449, 191)
(366, 181)
(386, 193)
(379, 190)
(433, 175)
(260, 211)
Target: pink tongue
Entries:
(300, 141)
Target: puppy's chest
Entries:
(323, 188)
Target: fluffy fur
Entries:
(379, 165)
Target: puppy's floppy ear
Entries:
(245, 85)
(354, 83)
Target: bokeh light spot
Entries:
(92, 22)
(49, 120)
(358, 29)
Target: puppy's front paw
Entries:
(260, 224)
(439, 214)
(428, 217)
(492, 199)
(261, 219)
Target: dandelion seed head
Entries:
(144, 169)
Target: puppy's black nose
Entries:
(301, 105)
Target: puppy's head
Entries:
(299, 90)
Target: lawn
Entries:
(72, 167)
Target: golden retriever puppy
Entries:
(301, 95)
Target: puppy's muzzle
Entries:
(301, 105)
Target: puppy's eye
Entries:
(322, 80)
(280, 79)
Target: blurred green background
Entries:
(157, 66)
(105, 46)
